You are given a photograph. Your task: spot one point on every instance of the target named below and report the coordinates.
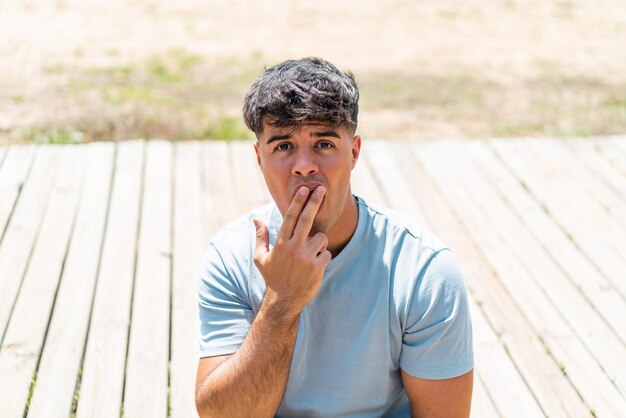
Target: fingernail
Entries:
(319, 191)
(256, 223)
(303, 190)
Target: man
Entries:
(320, 304)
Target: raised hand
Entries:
(294, 267)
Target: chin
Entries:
(317, 227)
(320, 225)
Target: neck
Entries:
(339, 235)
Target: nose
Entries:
(304, 164)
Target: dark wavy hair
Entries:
(300, 91)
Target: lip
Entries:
(310, 185)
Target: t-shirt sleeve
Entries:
(437, 340)
(225, 315)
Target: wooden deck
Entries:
(100, 245)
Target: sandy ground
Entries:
(480, 68)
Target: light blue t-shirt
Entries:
(392, 299)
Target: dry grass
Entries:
(77, 73)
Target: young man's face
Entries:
(311, 155)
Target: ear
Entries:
(356, 149)
(258, 153)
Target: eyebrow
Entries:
(318, 134)
(274, 138)
(327, 133)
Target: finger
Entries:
(318, 243)
(262, 239)
(324, 258)
(305, 221)
(293, 213)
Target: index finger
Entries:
(293, 213)
(305, 221)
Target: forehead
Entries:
(309, 129)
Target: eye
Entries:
(283, 147)
(325, 144)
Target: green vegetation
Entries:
(617, 103)
(181, 95)
(76, 396)
(395, 90)
(226, 127)
(551, 105)
(55, 69)
(175, 95)
(31, 389)
(54, 136)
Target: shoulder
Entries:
(399, 228)
(423, 269)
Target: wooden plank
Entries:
(618, 142)
(26, 331)
(501, 316)
(219, 198)
(363, 182)
(589, 152)
(105, 358)
(387, 172)
(584, 177)
(3, 153)
(581, 317)
(551, 387)
(482, 404)
(16, 246)
(256, 172)
(13, 172)
(613, 152)
(608, 139)
(63, 351)
(506, 388)
(146, 387)
(189, 245)
(562, 187)
(589, 379)
(250, 192)
(584, 234)
(593, 286)
(492, 362)
(581, 186)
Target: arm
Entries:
(255, 377)
(252, 381)
(446, 398)
(437, 355)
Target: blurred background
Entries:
(80, 71)
(538, 224)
